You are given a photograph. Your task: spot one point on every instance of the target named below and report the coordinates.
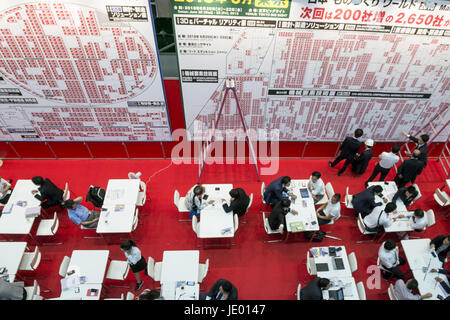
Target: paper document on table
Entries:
(70, 282)
(119, 208)
(348, 292)
(116, 194)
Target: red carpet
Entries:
(259, 270)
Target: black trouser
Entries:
(376, 171)
(47, 204)
(338, 159)
(400, 182)
(322, 221)
(5, 199)
(396, 270)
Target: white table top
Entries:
(91, 263)
(71, 294)
(351, 293)
(122, 191)
(180, 265)
(448, 183)
(428, 284)
(213, 219)
(346, 272)
(15, 222)
(170, 291)
(306, 214)
(11, 254)
(112, 221)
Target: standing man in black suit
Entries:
(221, 290)
(409, 170)
(421, 146)
(349, 148)
(361, 161)
(50, 195)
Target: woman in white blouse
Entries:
(135, 259)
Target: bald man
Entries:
(409, 170)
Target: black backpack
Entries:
(96, 195)
(318, 237)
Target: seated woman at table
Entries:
(238, 203)
(379, 218)
(221, 290)
(79, 214)
(316, 186)
(330, 210)
(441, 244)
(403, 291)
(417, 221)
(390, 259)
(5, 190)
(313, 291)
(135, 260)
(50, 195)
(277, 218)
(195, 201)
(407, 195)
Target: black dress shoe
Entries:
(339, 174)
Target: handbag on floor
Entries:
(318, 237)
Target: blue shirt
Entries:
(79, 215)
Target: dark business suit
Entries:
(409, 169)
(423, 150)
(401, 193)
(238, 205)
(364, 202)
(359, 164)
(312, 291)
(349, 149)
(233, 295)
(49, 192)
(274, 192)
(438, 241)
(277, 217)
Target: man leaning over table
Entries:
(79, 214)
(403, 291)
(277, 218)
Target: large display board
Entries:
(315, 69)
(80, 70)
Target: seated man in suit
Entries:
(364, 202)
(407, 195)
(221, 290)
(5, 190)
(421, 146)
(409, 170)
(330, 210)
(361, 161)
(12, 291)
(390, 259)
(316, 186)
(79, 214)
(195, 201)
(379, 218)
(313, 291)
(277, 190)
(403, 291)
(238, 203)
(441, 244)
(50, 195)
(277, 218)
(348, 150)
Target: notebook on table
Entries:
(336, 294)
(297, 226)
(304, 192)
(322, 267)
(338, 264)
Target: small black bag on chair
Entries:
(318, 237)
(96, 195)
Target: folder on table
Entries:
(297, 226)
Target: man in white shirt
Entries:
(390, 259)
(330, 210)
(417, 221)
(403, 291)
(5, 190)
(387, 161)
(379, 218)
(316, 186)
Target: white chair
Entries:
(48, 227)
(132, 175)
(142, 195)
(362, 229)
(203, 270)
(441, 198)
(32, 291)
(361, 290)
(66, 194)
(348, 199)
(121, 298)
(353, 262)
(135, 220)
(30, 260)
(64, 266)
(118, 270)
(179, 202)
(310, 265)
(418, 192)
(299, 288)
(250, 202)
(431, 220)
(236, 222)
(263, 188)
(154, 269)
(130, 296)
(391, 292)
(38, 297)
(195, 224)
(329, 190)
(268, 229)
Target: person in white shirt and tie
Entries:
(379, 218)
(390, 259)
(387, 161)
(403, 291)
(316, 186)
(417, 221)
